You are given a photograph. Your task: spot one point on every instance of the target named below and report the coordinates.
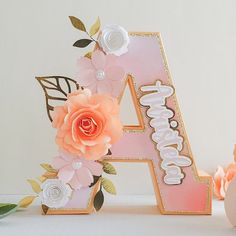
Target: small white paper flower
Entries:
(55, 193)
(114, 39)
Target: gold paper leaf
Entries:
(35, 186)
(109, 168)
(42, 178)
(88, 55)
(108, 186)
(25, 202)
(95, 27)
(50, 175)
(61, 86)
(48, 167)
(77, 23)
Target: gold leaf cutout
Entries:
(95, 27)
(35, 186)
(56, 89)
(25, 202)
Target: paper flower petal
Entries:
(94, 167)
(75, 183)
(84, 63)
(86, 77)
(84, 176)
(66, 173)
(115, 73)
(59, 162)
(104, 86)
(99, 59)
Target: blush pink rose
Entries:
(87, 124)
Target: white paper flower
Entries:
(55, 193)
(114, 39)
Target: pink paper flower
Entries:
(101, 74)
(222, 178)
(76, 171)
(87, 125)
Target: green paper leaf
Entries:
(108, 186)
(82, 43)
(7, 209)
(109, 168)
(35, 186)
(95, 27)
(48, 168)
(98, 200)
(25, 202)
(77, 23)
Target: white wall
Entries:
(36, 38)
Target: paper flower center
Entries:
(114, 40)
(88, 126)
(77, 165)
(55, 193)
(100, 75)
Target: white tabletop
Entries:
(121, 216)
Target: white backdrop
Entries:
(36, 38)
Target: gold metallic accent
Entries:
(54, 83)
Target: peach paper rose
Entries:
(87, 124)
(223, 177)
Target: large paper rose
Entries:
(55, 193)
(114, 39)
(101, 74)
(76, 171)
(87, 124)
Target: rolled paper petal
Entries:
(222, 189)
(218, 181)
